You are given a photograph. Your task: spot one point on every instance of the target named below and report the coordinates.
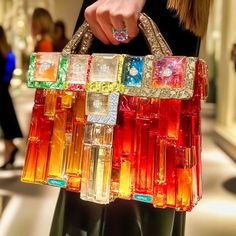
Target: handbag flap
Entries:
(165, 78)
(169, 77)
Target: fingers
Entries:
(128, 21)
(104, 15)
(90, 16)
(131, 22)
(104, 20)
(117, 21)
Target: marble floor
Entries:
(26, 209)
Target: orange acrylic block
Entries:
(74, 157)
(125, 180)
(79, 107)
(45, 134)
(28, 174)
(46, 66)
(184, 179)
(74, 183)
(50, 102)
(67, 99)
(37, 112)
(160, 177)
(56, 162)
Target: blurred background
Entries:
(27, 210)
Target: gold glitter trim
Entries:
(72, 45)
(104, 87)
(146, 90)
(157, 44)
(156, 41)
(86, 42)
(203, 77)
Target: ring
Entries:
(120, 35)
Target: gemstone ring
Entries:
(120, 35)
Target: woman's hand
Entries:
(105, 14)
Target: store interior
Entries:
(27, 209)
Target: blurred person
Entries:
(182, 23)
(8, 119)
(42, 28)
(60, 39)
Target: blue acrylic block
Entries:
(133, 71)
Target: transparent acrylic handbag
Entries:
(118, 126)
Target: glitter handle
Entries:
(83, 37)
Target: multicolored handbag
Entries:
(118, 126)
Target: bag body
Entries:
(118, 126)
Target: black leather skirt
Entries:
(75, 217)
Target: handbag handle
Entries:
(156, 42)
